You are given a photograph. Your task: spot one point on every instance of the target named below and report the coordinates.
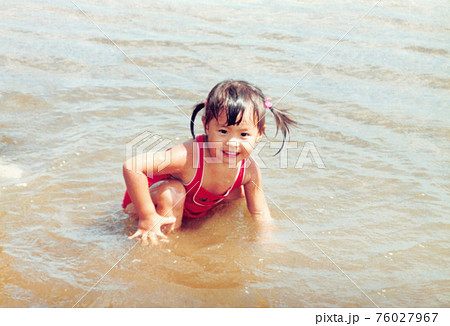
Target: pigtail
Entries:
(283, 123)
(194, 114)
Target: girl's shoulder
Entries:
(252, 171)
(181, 154)
(180, 158)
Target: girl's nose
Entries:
(232, 142)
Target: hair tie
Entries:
(268, 103)
(204, 104)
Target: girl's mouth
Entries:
(230, 154)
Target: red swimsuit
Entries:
(198, 200)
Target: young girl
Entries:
(208, 169)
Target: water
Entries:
(375, 108)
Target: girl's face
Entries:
(233, 143)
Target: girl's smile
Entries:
(235, 142)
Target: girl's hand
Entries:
(148, 229)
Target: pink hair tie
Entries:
(204, 104)
(268, 103)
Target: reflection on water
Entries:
(376, 109)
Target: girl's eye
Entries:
(245, 134)
(222, 131)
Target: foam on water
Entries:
(10, 171)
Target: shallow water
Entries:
(371, 228)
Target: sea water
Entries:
(368, 82)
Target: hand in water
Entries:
(265, 229)
(147, 229)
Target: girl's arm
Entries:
(256, 201)
(135, 171)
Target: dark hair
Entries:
(234, 97)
